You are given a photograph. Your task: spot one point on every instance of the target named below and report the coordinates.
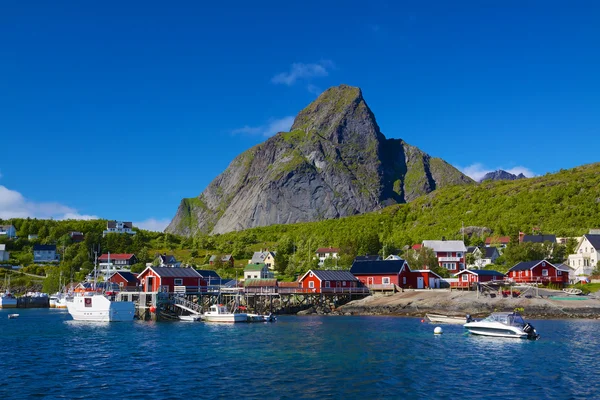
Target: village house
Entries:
(166, 260)
(257, 271)
(44, 253)
(8, 231)
(260, 285)
(227, 260)
(450, 253)
(165, 279)
(387, 274)
(324, 253)
(264, 257)
(76, 237)
(497, 241)
(540, 271)
(483, 256)
(211, 277)
(470, 277)
(325, 281)
(126, 280)
(587, 255)
(4, 254)
(108, 262)
(119, 227)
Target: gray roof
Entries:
(367, 258)
(176, 272)
(327, 275)
(594, 240)
(490, 251)
(113, 224)
(207, 273)
(539, 238)
(445, 245)
(44, 247)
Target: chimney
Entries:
(521, 235)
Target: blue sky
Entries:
(119, 111)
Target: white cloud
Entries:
(272, 127)
(14, 205)
(301, 71)
(152, 224)
(477, 171)
(314, 89)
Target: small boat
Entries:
(573, 291)
(503, 324)
(262, 318)
(448, 319)
(220, 313)
(13, 316)
(190, 318)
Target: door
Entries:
(432, 283)
(149, 282)
(370, 280)
(419, 282)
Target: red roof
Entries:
(417, 246)
(328, 250)
(104, 257)
(499, 239)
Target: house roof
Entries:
(417, 246)
(113, 224)
(255, 267)
(564, 268)
(594, 240)
(527, 265)
(498, 239)
(208, 274)
(42, 247)
(5, 227)
(428, 271)
(367, 258)
(328, 275)
(445, 245)
(393, 257)
(377, 267)
(224, 258)
(258, 257)
(260, 283)
(168, 272)
(294, 284)
(490, 251)
(539, 238)
(481, 272)
(471, 249)
(167, 258)
(128, 276)
(328, 250)
(104, 257)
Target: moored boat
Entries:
(7, 300)
(573, 291)
(98, 307)
(447, 319)
(220, 313)
(503, 324)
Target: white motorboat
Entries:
(220, 313)
(13, 316)
(7, 300)
(503, 324)
(262, 318)
(59, 300)
(98, 307)
(190, 318)
(447, 319)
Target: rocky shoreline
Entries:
(418, 303)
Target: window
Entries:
(311, 284)
(465, 278)
(178, 282)
(385, 280)
(459, 255)
(327, 284)
(404, 280)
(544, 272)
(343, 283)
(558, 272)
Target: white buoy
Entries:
(438, 330)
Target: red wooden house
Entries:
(164, 279)
(383, 273)
(117, 260)
(540, 271)
(469, 277)
(325, 281)
(125, 280)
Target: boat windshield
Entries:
(512, 319)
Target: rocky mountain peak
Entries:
(501, 175)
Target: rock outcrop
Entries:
(334, 162)
(501, 175)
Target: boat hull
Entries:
(226, 318)
(97, 308)
(445, 319)
(8, 302)
(496, 332)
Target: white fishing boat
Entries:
(220, 313)
(190, 318)
(447, 319)
(99, 307)
(503, 324)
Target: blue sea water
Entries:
(46, 355)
